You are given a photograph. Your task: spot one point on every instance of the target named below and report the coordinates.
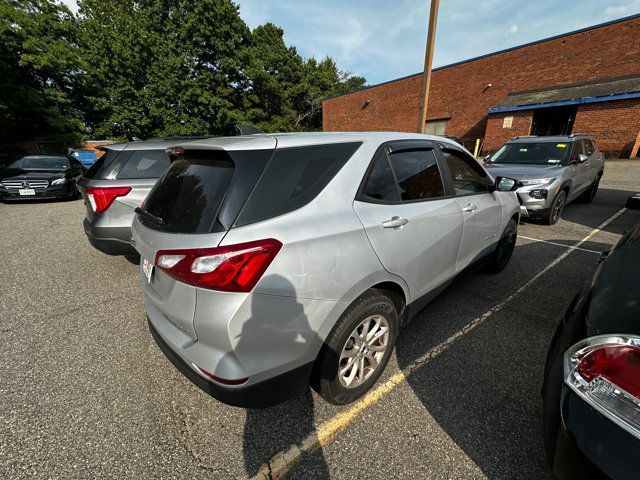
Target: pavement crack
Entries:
(186, 439)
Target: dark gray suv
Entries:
(118, 183)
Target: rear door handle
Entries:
(395, 222)
(469, 207)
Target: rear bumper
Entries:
(592, 446)
(110, 240)
(259, 395)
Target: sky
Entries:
(385, 39)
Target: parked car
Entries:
(86, 157)
(118, 183)
(553, 171)
(271, 262)
(36, 146)
(40, 177)
(591, 392)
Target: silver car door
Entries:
(413, 227)
(595, 160)
(581, 176)
(482, 210)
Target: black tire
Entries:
(557, 207)
(590, 194)
(325, 379)
(500, 257)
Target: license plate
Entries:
(27, 191)
(147, 268)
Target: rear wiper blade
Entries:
(149, 216)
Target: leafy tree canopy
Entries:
(123, 68)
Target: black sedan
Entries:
(591, 392)
(40, 177)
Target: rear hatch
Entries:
(124, 178)
(194, 203)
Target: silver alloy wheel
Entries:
(363, 351)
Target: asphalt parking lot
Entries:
(85, 392)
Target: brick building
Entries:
(583, 81)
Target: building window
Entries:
(436, 127)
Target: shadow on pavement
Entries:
(272, 430)
(484, 390)
(283, 332)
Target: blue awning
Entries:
(592, 92)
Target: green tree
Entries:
(286, 90)
(163, 67)
(38, 71)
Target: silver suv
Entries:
(553, 171)
(118, 183)
(271, 262)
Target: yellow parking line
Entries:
(280, 464)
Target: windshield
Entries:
(541, 153)
(40, 162)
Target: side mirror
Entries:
(505, 184)
(633, 203)
(582, 158)
(487, 157)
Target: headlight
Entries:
(537, 181)
(59, 181)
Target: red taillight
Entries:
(233, 268)
(620, 364)
(605, 372)
(225, 381)
(101, 198)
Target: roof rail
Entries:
(580, 133)
(524, 136)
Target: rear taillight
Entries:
(101, 198)
(605, 372)
(233, 268)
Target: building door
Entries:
(553, 121)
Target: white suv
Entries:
(271, 262)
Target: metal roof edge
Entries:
(560, 103)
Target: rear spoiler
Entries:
(247, 130)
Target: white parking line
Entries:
(281, 463)
(572, 247)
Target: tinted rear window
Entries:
(145, 164)
(293, 178)
(189, 195)
(101, 168)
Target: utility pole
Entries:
(428, 60)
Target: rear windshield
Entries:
(189, 195)
(98, 167)
(145, 164)
(294, 177)
(129, 164)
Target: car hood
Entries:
(20, 174)
(521, 172)
(615, 291)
